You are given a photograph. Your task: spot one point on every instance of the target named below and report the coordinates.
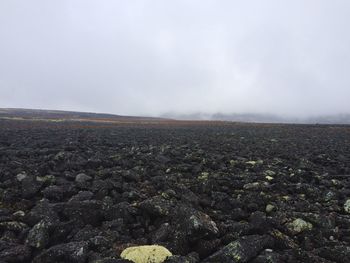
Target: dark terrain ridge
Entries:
(210, 192)
(58, 115)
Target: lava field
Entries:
(222, 192)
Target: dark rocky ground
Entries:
(79, 192)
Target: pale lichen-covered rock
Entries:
(253, 163)
(269, 178)
(13, 226)
(46, 179)
(299, 225)
(146, 254)
(347, 206)
(269, 208)
(249, 186)
(21, 176)
(269, 173)
(38, 236)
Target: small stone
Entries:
(329, 196)
(204, 176)
(46, 179)
(60, 156)
(21, 176)
(335, 182)
(251, 162)
(146, 254)
(82, 178)
(347, 206)
(19, 213)
(250, 186)
(286, 197)
(233, 162)
(269, 208)
(269, 173)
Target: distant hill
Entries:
(57, 115)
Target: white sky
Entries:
(157, 56)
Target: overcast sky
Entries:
(156, 56)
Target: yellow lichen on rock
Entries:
(146, 254)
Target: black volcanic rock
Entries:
(70, 252)
(208, 192)
(13, 253)
(30, 186)
(88, 212)
(195, 224)
(241, 250)
(157, 206)
(38, 236)
(42, 210)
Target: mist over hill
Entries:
(262, 118)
